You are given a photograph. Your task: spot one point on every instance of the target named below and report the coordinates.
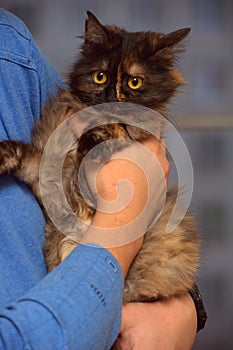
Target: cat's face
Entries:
(116, 65)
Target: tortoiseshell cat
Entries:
(114, 66)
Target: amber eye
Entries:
(100, 77)
(135, 83)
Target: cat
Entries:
(114, 66)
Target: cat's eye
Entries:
(135, 83)
(100, 77)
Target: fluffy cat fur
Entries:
(166, 265)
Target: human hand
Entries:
(162, 325)
(130, 189)
(123, 211)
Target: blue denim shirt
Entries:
(78, 305)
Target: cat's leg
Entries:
(11, 153)
(21, 160)
(115, 135)
(167, 263)
(56, 247)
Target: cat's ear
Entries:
(94, 31)
(169, 46)
(173, 39)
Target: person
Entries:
(79, 304)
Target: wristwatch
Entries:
(200, 308)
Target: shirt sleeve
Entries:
(27, 78)
(77, 306)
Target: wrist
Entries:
(106, 231)
(125, 254)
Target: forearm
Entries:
(125, 197)
(124, 253)
(87, 285)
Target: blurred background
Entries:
(204, 115)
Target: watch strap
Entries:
(200, 308)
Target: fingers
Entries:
(158, 149)
(165, 324)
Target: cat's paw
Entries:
(66, 246)
(108, 139)
(9, 159)
(12, 154)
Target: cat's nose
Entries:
(115, 96)
(120, 96)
